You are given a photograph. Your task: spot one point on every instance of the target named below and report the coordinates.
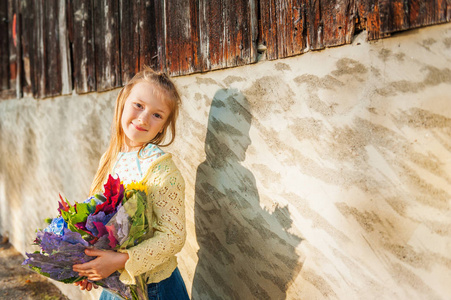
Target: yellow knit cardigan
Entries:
(155, 257)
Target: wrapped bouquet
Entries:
(111, 221)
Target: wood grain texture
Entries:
(319, 176)
(45, 49)
(4, 47)
(100, 45)
(283, 27)
(64, 48)
(226, 35)
(10, 50)
(81, 37)
(51, 66)
(33, 46)
(27, 16)
(129, 36)
(369, 19)
(182, 37)
(382, 18)
(151, 35)
(107, 47)
(339, 21)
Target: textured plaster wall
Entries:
(322, 176)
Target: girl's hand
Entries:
(86, 285)
(106, 263)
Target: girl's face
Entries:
(144, 115)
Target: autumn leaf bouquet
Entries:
(113, 220)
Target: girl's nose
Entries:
(143, 117)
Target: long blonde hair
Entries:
(167, 90)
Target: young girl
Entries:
(146, 108)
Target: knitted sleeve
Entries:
(166, 193)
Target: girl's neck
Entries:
(128, 148)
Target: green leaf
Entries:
(100, 197)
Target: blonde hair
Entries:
(166, 89)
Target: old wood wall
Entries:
(53, 47)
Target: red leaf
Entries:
(114, 192)
(100, 228)
(113, 241)
(63, 205)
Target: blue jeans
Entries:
(172, 288)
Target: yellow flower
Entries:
(137, 186)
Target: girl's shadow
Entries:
(245, 251)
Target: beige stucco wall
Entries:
(322, 176)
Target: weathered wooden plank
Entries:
(4, 46)
(205, 32)
(332, 23)
(44, 46)
(40, 76)
(27, 14)
(369, 17)
(292, 40)
(107, 47)
(384, 17)
(288, 27)
(129, 33)
(112, 39)
(51, 51)
(339, 21)
(238, 27)
(64, 49)
(315, 26)
(182, 37)
(393, 15)
(422, 13)
(152, 35)
(445, 10)
(33, 46)
(267, 28)
(13, 36)
(18, 44)
(291, 27)
(227, 36)
(81, 38)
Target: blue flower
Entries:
(97, 201)
(57, 226)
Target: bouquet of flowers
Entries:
(111, 221)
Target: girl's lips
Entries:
(139, 128)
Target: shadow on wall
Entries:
(245, 251)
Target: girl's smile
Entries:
(139, 128)
(144, 116)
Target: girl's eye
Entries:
(138, 105)
(157, 115)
